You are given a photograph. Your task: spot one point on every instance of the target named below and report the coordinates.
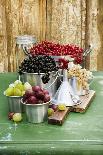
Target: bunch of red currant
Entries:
(56, 49)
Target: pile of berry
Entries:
(50, 48)
(39, 64)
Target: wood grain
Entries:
(3, 39)
(69, 21)
(59, 117)
(85, 102)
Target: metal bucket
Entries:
(36, 79)
(36, 113)
(77, 90)
(14, 104)
(33, 78)
(52, 84)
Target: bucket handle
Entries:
(57, 75)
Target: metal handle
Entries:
(25, 50)
(57, 75)
(85, 54)
(87, 51)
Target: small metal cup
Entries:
(14, 104)
(36, 113)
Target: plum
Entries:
(10, 115)
(40, 95)
(54, 107)
(45, 91)
(36, 88)
(32, 100)
(46, 98)
(29, 93)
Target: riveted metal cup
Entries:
(14, 104)
(36, 113)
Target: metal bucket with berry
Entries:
(42, 80)
(40, 70)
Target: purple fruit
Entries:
(54, 107)
(46, 98)
(40, 95)
(32, 100)
(10, 115)
(24, 98)
(45, 91)
(29, 93)
(36, 88)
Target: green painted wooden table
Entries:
(80, 133)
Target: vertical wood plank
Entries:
(48, 19)
(65, 21)
(87, 32)
(42, 16)
(83, 23)
(93, 32)
(100, 30)
(3, 39)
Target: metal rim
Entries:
(33, 73)
(38, 73)
(34, 104)
(63, 56)
(14, 96)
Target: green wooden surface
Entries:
(80, 133)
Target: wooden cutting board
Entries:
(59, 117)
(85, 102)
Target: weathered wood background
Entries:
(65, 21)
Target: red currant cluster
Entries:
(56, 49)
(63, 64)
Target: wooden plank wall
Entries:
(94, 33)
(3, 39)
(63, 21)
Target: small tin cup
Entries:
(36, 113)
(14, 104)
